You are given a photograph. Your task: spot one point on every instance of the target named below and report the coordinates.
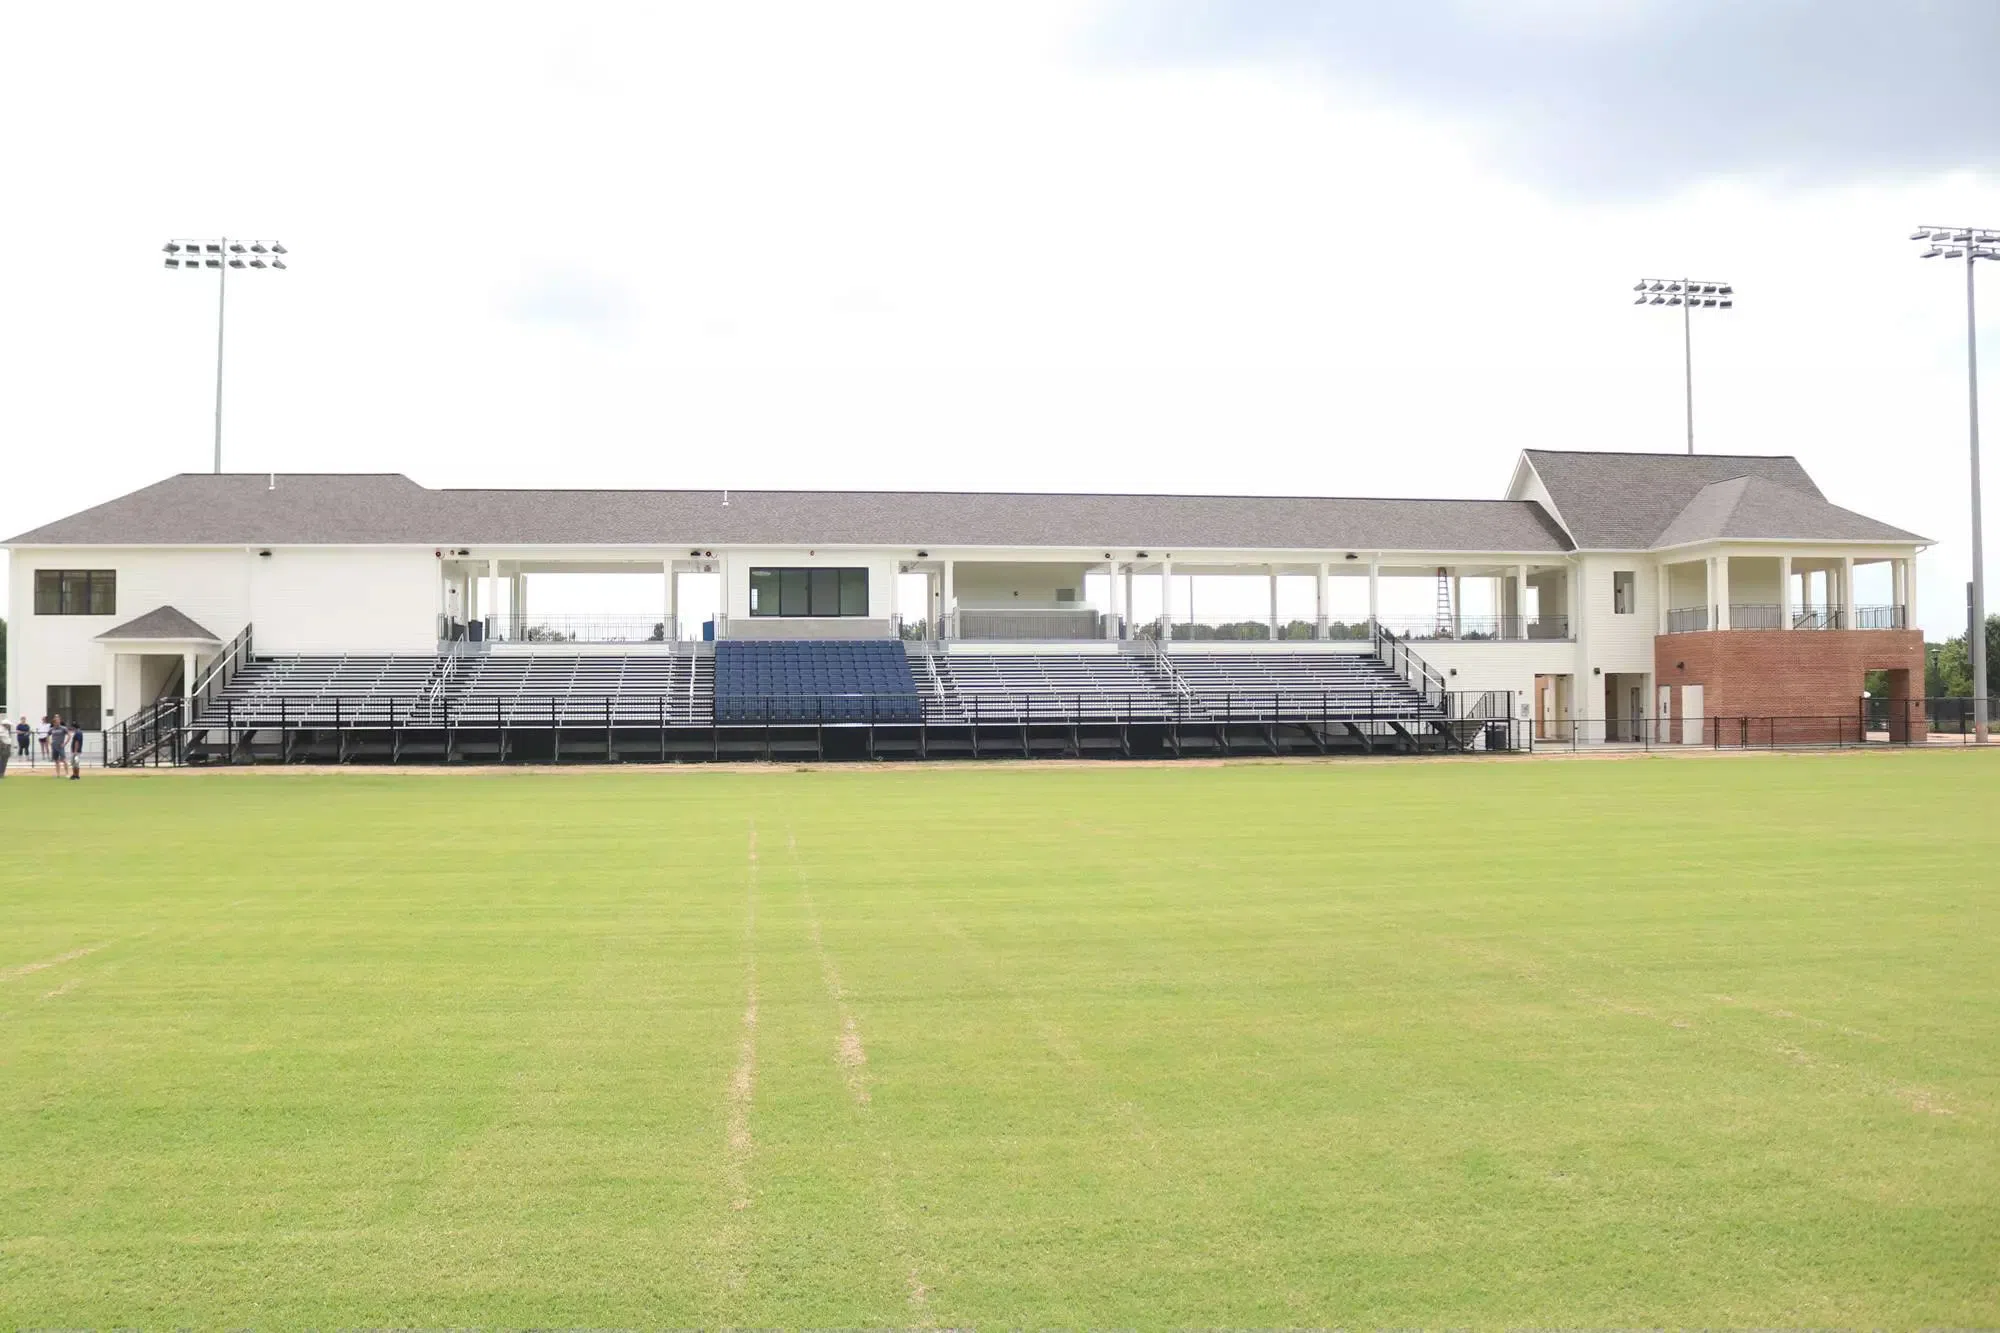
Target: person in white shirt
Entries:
(42, 737)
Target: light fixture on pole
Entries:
(1687, 294)
(1971, 244)
(222, 254)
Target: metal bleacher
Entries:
(302, 689)
(677, 689)
(1345, 686)
(966, 687)
(812, 698)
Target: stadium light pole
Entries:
(1687, 293)
(1971, 244)
(222, 254)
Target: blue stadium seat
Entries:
(810, 680)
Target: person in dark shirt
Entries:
(24, 738)
(75, 751)
(59, 744)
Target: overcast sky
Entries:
(1303, 246)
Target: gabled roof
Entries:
(204, 509)
(1624, 502)
(1756, 507)
(162, 622)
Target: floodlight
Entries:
(1725, 304)
(277, 249)
(1658, 300)
(1638, 286)
(1921, 234)
(236, 247)
(1640, 301)
(1931, 253)
(1954, 253)
(257, 263)
(1675, 300)
(171, 262)
(172, 247)
(258, 247)
(221, 254)
(1659, 287)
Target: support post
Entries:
(1666, 593)
(1374, 592)
(1319, 602)
(1167, 600)
(1115, 629)
(1721, 592)
(1846, 592)
(1274, 604)
(947, 612)
(1785, 591)
(1521, 598)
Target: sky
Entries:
(1261, 246)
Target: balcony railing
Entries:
(1477, 629)
(1769, 615)
(1003, 623)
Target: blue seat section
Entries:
(814, 680)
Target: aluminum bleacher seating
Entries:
(998, 687)
(323, 689)
(1336, 685)
(807, 680)
(629, 690)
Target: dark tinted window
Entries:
(808, 592)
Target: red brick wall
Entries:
(1786, 673)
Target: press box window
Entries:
(76, 592)
(77, 705)
(809, 592)
(1624, 592)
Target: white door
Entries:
(1663, 728)
(1691, 715)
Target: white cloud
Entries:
(901, 245)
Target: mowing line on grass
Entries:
(1057, 1040)
(28, 969)
(852, 1059)
(1868, 1082)
(743, 1083)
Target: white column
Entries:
(1521, 598)
(1785, 591)
(187, 677)
(722, 595)
(1319, 602)
(1722, 592)
(1910, 592)
(492, 599)
(946, 599)
(673, 604)
(895, 589)
(1847, 592)
(1374, 592)
(1274, 603)
(1131, 577)
(1113, 600)
(1457, 607)
(1167, 598)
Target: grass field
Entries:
(1642, 1042)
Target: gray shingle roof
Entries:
(239, 509)
(162, 622)
(1625, 502)
(1756, 507)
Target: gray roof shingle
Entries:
(1757, 507)
(1625, 502)
(248, 509)
(162, 622)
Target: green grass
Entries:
(1647, 1042)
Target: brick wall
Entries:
(1766, 673)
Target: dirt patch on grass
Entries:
(28, 969)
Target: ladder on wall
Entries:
(1444, 604)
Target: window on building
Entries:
(76, 592)
(809, 592)
(1624, 592)
(81, 705)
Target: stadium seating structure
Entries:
(810, 680)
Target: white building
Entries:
(1631, 590)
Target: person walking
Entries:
(76, 752)
(58, 743)
(24, 738)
